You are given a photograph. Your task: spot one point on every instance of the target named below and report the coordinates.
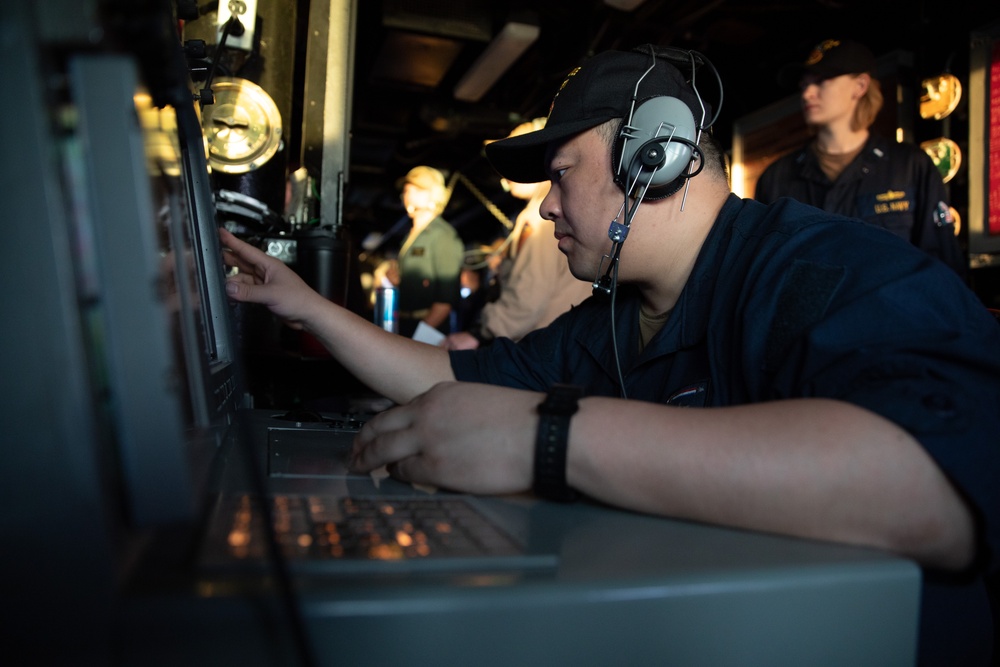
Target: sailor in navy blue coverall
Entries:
(838, 398)
(786, 301)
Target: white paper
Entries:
(379, 474)
(425, 333)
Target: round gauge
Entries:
(242, 128)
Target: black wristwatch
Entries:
(550, 446)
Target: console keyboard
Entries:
(364, 528)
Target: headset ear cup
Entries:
(654, 118)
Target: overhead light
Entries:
(509, 44)
(624, 5)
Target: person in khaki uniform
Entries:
(429, 264)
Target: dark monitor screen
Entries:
(157, 322)
(117, 391)
(202, 317)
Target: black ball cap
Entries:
(597, 91)
(828, 59)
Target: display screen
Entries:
(151, 285)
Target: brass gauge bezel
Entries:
(242, 128)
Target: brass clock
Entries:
(242, 127)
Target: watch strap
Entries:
(551, 444)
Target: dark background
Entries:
(409, 55)
(396, 110)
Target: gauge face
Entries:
(242, 128)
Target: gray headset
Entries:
(658, 142)
(656, 149)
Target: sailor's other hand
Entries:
(469, 437)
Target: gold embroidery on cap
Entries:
(820, 50)
(561, 86)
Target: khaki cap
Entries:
(425, 178)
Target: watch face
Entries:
(242, 127)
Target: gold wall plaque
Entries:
(946, 154)
(940, 97)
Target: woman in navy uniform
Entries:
(849, 170)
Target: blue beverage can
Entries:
(386, 309)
